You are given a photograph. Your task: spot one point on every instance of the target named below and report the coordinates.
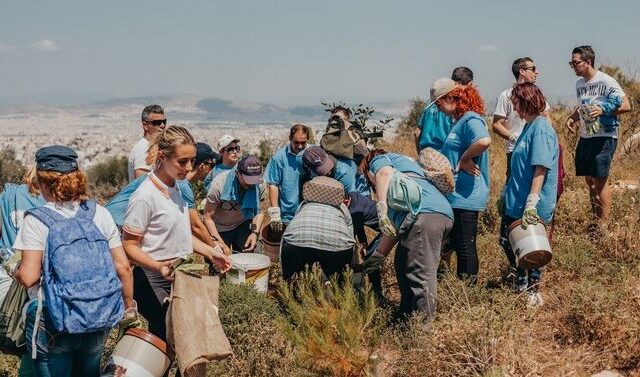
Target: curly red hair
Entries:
(467, 98)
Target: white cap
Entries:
(225, 141)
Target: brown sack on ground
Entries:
(194, 330)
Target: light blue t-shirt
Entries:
(15, 200)
(434, 128)
(362, 186)
(346, 174)
(117, 206)
(219, 168)
(537, 145)
(283, 171)
(432, 199)
(472, 193)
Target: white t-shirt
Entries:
(138, 158)
(34, 233)
(514, 123)
(597, 90)
(160, 215)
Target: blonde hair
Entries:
(166, 142)
(30, 178)
(65, 187)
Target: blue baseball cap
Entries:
(57, 158)
(205, 152)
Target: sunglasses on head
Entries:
(157, 123)
(233, 149)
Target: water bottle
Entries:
(5, 254)
(591, 125)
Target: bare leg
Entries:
(603, 198)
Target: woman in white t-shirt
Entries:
(156, 229)
(64, 187)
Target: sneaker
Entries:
(518, 285)
(534, 299)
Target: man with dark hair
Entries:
(434, 125)
(462, 76)
(153, 121)
(600, 102)
(283, 177)
(506, 122)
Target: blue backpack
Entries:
(81, 288)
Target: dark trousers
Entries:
(508, 166)
(416, 263)
(149, 291)
(294, 259)
(463, 241)
(237, 237)
(531, 278)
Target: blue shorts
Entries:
(594, 156)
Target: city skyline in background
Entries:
(296, 52)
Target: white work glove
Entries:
(13, 263)
(385, 224)
(530, 214)
(275, 221)
(130, 320)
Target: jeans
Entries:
(294, 259)
(416, 263)
(236, 237)
(63, 354)
(529, 278)
(463, 239)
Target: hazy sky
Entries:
(298, 52)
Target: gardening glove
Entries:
(530, 214)
(374, 262)
(386, 227)
(275, 221)
(130, 320)
(13, 263)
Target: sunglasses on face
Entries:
(157, 123)
(575, 63)
(232, 149)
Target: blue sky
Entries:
(298, 52)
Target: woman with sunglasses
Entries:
(156, 228)
(466, 149)
(229, 149)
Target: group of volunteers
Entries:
(88, 268)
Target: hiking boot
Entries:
(534, 299)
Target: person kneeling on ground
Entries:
(320, 233)
(232, 213)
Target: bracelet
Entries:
(255, 232)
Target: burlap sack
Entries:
(437, 169)
(194, 330)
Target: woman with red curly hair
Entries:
(466, 148)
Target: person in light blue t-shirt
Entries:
(434, 125)
(532, 188)
(317, 162)
(419, 237)
(228, 157)
(466, 148)
(283, 178)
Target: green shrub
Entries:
(106, 178)
(11, 169)
(333, 327)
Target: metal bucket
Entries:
(531, 245)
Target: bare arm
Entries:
(383, 177)
(209, 211)
(476, 149)
(131, 245)
(199, 229)
(274, 194)
(30, 269)
(499, 127)
(216, 257)
(125, 275)
(538, 179)
(625, 107)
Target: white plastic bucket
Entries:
(140, 354)
(531, 245)
(250, 268)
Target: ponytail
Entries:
(166, 142)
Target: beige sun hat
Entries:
(440, 88)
